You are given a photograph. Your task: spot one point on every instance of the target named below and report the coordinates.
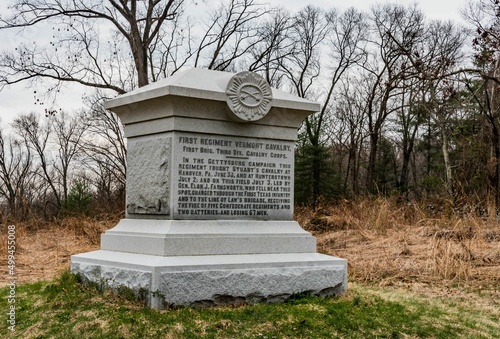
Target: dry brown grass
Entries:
(390, 242)
(43, 249)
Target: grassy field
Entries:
(64, 308)
(415, 271)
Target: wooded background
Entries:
(409, 106)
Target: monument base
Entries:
(214, 279)
(207, 237)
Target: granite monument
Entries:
(209, 196)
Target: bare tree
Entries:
(393, 27)
(16, 169)
(350, 116)
(173, 47)
(431, 66)
(484, 16)
(409, 118)
(35, 135)
(342, 34)
(230, 33)
(105, 146)
(273, 47)
(78, 52)
(309, 29)
(447, 92)
(68, 131)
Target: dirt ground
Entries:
(43, 249)
(385, 246)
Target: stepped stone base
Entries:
(214, 279)
(207, 237)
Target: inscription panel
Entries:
(222, 177)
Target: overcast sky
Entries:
(20, 99)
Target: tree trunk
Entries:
(403, 178)
(496, 137)
(355, 173)
(371, 176)
(348, 171)
(316, 169)
(407, 153)
(496, 176)
(140, 53)
(141, 65)
(446, 158)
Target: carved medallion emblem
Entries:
(249, 96)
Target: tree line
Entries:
(409, 105)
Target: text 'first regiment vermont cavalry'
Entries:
(209, 196)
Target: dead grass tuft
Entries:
(389, 241)
(43, 249)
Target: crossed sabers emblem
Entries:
(257, 95)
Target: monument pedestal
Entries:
(209, 215)
(215, 279)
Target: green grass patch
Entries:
(66, 309)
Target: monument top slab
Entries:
(203, 84)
